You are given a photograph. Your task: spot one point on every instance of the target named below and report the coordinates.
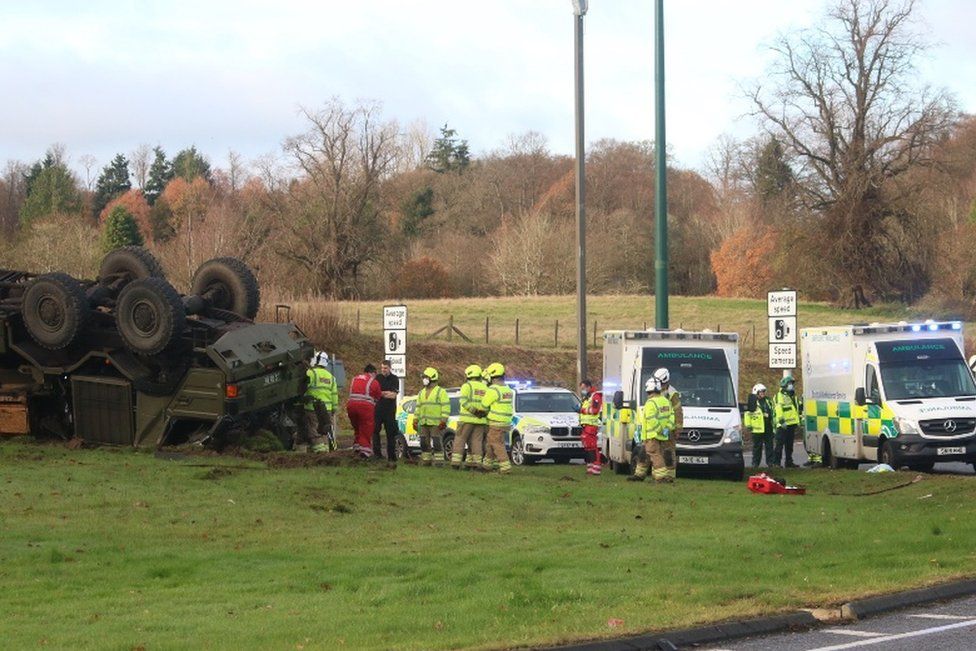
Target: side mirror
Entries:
(751, 403)
(859, 398)
(618, 399)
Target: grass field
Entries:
(537, 317)
(115, 549)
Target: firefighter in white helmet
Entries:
(657, 424)
(758, 419)
(664, 377)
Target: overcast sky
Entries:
(103, 77)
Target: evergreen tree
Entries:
(113, 183)
(52, 189)
(450, 153)
(417, 208)
(161, 221)
(160, 173)
(773, 174)
(189, 164)
(120, 230)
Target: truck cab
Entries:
(899, 394)
(704, 368)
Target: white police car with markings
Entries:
(545, 426)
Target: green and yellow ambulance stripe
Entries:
(837, 417)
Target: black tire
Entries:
(923, 466)
(517, 453)
(562, 461)
(149, 315)
(887, 455)
(55, 310)
(828, 458)
(127, 264)
(736, 475)
(447, 445)
(620, 467)
(400, 448)
(228, 284)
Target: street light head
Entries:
(579, 7)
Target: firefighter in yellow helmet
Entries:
(432, 411)
(472, 421)
(657, 423)
(499, 404)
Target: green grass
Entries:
(538, 315)
(115, 549)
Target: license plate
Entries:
(944, 451)
(694, 461)
(568, 444)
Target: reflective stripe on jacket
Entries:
(322, 387)
(756, 420)
(590, 410)
(362, 388)
(499, 402)
(433, 406)
(787, 409)
(657, 419)
(472, 394)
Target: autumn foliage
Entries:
(422, 277)
(744, 263)
(136, 205)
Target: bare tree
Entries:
(236, 170)
(844, 100)
(332, 224)
(140, 160)
(13, 192)
(417, 141)
(88, 162)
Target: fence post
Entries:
(516, 331)
(594, 332)
(557, 334)
(486, 329)
(645, 325)
(357, 320)
(450, 327)
(753, 336)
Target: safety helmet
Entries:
(786, 380)
(495, 370)
(653, 385)
(663, 375)
(759, 387)
(320, 358)
(473, 372)
(431, 373)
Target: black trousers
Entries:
(385, 417)
(783, 447)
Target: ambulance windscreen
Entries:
(931, 368)
(700, 375)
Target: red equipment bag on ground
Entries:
(766, 485)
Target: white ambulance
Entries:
(899, 393)
(704, 368)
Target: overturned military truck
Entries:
(127, 360)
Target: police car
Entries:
(409, 439)
(546, 425)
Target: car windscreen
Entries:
(455, 405)
(550, 403)
(937, 378)
(700, 375)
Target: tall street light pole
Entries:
(661, 186)
(579, 10)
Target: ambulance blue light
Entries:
(933, 326)
(956, 325)
(916, 328)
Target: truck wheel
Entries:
(887, 455)
(149, 315)
(55, 310)
(126, 264)
(228, 284)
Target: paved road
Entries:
(949, 626)
(800, 457)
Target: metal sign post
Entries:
(781, 310)
(395, 340)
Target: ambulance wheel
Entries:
(400, 447)
(887, 455)
(736, 475)
(620, 468)
(828, 458)
(924, 466)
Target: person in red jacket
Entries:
(364, 391)
(590, 410)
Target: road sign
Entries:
(395, 338)
(781, 308)
(782, 356)
(782, 330)
(781, 303)
(398, 365)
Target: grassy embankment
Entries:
(115, 549)
(537, 356)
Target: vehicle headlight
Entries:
(734, 435)
(905, 426)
